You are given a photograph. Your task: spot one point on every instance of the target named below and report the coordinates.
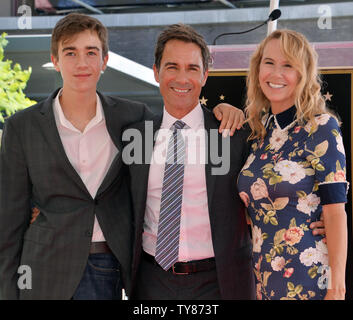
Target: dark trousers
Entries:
(101, 279)
(153, 283)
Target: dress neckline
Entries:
(284, 120)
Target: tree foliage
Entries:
(13, 81)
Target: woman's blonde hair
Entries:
(308, 99)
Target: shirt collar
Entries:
(194, 119)
(283, 119)
(61, 119)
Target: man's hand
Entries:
(231, 118)
(318, 228)
(35, 213)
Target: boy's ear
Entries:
(55, 62)
(105, 61)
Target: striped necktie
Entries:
(167, 247)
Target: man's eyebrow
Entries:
(193, 65)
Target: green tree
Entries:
(13, 81)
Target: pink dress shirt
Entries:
(90, 152)
(195, 230)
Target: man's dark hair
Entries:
(184, 33)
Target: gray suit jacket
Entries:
(230, 235)
(34, 170)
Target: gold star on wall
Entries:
(328, 96)
(203, 101)
(221, 97)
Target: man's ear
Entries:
(55, 62)
(156, 73)
(205, 76)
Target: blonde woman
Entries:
(295, 172)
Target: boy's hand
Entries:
(231, 118)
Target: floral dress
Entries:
(285, 181)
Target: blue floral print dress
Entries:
(285, 181)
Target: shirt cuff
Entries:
(333, 192)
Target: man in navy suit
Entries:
(213, 247)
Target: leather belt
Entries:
(184, 268)
(99, 247)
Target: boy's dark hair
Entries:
(184, 33)
(75, 23)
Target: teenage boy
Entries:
(62, 157)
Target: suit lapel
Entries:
(115, 132)
(113, 125)
(51, 134)
(210, 123)
(141, 171)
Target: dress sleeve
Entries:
(327, 157)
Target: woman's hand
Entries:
(35, 213)
(335, 294)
